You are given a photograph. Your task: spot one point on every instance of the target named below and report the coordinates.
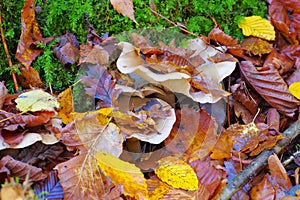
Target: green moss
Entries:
(60, 16)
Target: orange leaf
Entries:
(279, 173)
(177, 173)
(264, 190)
(125, 173)
(124, 7)
(65, 101)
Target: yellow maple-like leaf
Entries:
(65, 100)
(177, 173)
(124, 173)
(36, 100)
(294, 89)
(257, 26)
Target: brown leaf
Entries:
(294, 77)
(220, 37)
(124, 7)
(271, 87)
(67, 50)
(29, 78)
(208, 175)
(279, 175)
(93, 54)
(284, 19)
(273, 118)
(279, 61)
(19, 169)
(26, 51)
(3, 93)
(81, 178)
(13, 134)
(256, 45)
(264, 190)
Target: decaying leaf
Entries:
(256, 46)
(124, 7)
(257, 26)
(124, 173)
(36, 100)
(177, 173)
(30, 34)
(264, 190)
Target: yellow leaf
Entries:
(103, 115)
(65, 100)
(177, 173)
(124, 173)
(257, 26)
(36, 100)
(294, 88)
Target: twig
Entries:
(7, 55)
(173, 23)
(258, 163)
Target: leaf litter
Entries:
(154, 130)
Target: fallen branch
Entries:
(258, 163)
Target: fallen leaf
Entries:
(65, 100)
(124, 173)
(101, 85)
(279, 175)
(50, 188)
(81, 178)
(124, 7)
(270, 85)
(3, 93)
(30, 34)
(257, 26)
(294, 88)
(36, 100)
(29, 78)
(264, 190)
(177, 173)
(67, 50)
(20, 169)
(94, 54)
(256, 46)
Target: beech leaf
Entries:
(257, 26)
(125, 173)
(177, 173)
(270, 85)
(294, 88)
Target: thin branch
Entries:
(7, 55)
(258, 163)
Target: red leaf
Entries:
(101, 85)
(270, 85)
(38, 118)
(31, 33)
